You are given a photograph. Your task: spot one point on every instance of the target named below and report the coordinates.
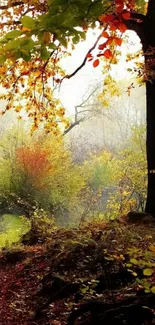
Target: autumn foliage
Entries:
(36, 37)
(34, 163)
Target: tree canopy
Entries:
(36, 35)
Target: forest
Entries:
(77, 162)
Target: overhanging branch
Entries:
(84, 61)
(136, 27)
(132, 24)
(137, 16)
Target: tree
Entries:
(39, 33)
(38, 171)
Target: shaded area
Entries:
(41, 284)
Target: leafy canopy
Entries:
(34, 38)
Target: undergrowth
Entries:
(98, 260)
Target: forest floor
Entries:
(41, 283)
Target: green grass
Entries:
(14, 227)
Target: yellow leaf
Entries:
(26, 29)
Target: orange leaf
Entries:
(26, 29)
(105, 34)
(126, 15)
(107, 54)
(101, 18)
(131, 4)
(118, 41)
(122, 27)
(106, 18)
(96, 63)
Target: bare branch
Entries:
(88, 97)
(73, 125)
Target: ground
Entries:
(41, 283)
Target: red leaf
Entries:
(110, 40)
(113, 27)
(100, 54)
(122, 27)
(126, 15)
(118, 41)
(102, 46)
(119, 6)
(89, 55)
(107, 54)
(96, 63)
(105, 34)
(116, 21)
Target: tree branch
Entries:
(136, 27)
(84, 61)
(131, 24)
(72, 126)
(136, 15)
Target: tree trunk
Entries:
(150, 147)
(149, 52)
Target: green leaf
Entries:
(128, 264)
(153, 289)
(3, 40)
(2, 59)
(28, 22)
(134, 261)
(27, 44)
(12, 45)
(60, 2)
(76, 39)
(45, 54)
(25, 55)
(148, 272)
(13, 34)
(147, 290)
(82, 35)
(52, 46)
(64, 42)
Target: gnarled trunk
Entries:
(149, 52)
